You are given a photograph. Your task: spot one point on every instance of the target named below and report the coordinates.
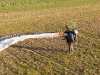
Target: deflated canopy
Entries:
(7, 41)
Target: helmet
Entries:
(75, 31)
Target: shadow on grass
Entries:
(40, 49)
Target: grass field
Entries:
(24, 5)
(50, 56)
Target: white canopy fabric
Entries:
(10, 41)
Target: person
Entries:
(71, 37)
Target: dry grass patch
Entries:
(49, 56)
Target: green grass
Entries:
(50, 56)
(25, 5)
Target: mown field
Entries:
(20, 5)
(50, 56)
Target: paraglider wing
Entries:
(7, 41)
